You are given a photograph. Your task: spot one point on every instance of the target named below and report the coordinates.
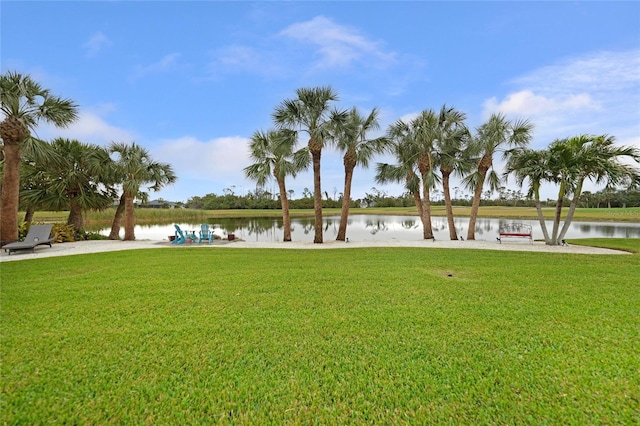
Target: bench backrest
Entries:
(515, 228)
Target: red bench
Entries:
(515, 230)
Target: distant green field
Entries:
(344, 336)
(180, 215)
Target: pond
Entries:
(376, 228)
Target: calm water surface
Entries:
(377, 228)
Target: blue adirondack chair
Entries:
(180, 238)
(205, 233)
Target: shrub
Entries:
(87, 236)
(23, 229)
(63, 233)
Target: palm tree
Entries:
(452, 155)
(404, 172)
(114, 233)
(561, 164)
(414, 149)
(310, 113)
(531, 165)
(583, 157)
(351, 138)
(497, 134)
(24, 104)
(134, 169)
(34, 152)
(272, 154)
(77, 180)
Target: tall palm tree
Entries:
(114, 233)
(272, 155)
(562, 164)
(34, 153)
(310, 113)
(77, 180)
(425, 129)
(351, 138)
(414, 148)
(496, 135)
(532, 165)
(452, 155)
(24, 104)
(403, 172)
(583, 157)
(135, 168)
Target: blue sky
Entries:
(192, 81)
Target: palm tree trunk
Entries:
(29, 213)
(426, 212)
(558, 215)
(75, 216)
(572, 209)
(418, 201)
(475, 206)
(10, 193)
(317, 194)
(453, 235)
(543, 223)
(286, 217)
(346, 199)
(115, 225)
(12, 132)
(129, 219)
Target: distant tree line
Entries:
(265, 200)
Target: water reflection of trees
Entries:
(270, 229)
(439, 224)
(409, 224)
(375, 226)
(307, 224)
(610, 230)
(249, 226)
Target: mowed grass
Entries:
(631, 245)
(353, 336)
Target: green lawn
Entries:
(631, 245)
(344, 336)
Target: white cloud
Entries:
(329, 45)
(220, 159)
(168, 62)
(527, 103)
(338, 45)
(407, 118)
(90, 127)
(96, 43)
(597, 93)
(594, 94)
(599, 72)
(236, 55)
(239, 58)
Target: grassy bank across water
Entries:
(159, 216)
(398, 336)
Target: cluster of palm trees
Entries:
(428, 150)
(311, 113)
(65, 174)
(568, 163)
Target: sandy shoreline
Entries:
(86, 247)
